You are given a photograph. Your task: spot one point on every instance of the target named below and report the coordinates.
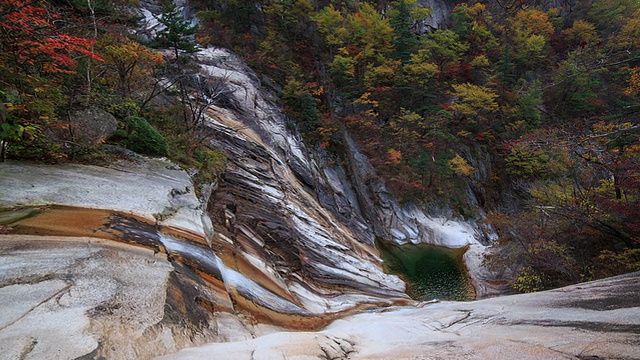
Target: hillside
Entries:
(233, 173)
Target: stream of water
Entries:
(431, 272)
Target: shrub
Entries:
(138, 135)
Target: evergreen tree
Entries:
(177, 32)
(405, 40)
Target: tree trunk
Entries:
(616, 186)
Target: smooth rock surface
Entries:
(593, 320)
(64, 298)
(154, 189)
(84, 297)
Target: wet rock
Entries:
(11, 216)
(150, 188)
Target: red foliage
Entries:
(30, 40)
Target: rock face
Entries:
(597, 320)
(441, 14)
(256, 138)
(87, 285)
(91, 298)
(152, 189)
(280, 259)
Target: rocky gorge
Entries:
(275, 259)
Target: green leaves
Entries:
(15, 132)
(177, 32)
(138, 135)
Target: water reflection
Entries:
(431, 272)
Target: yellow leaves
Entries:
(629, 37)
(460, 166)
(474, 102)
(605, 128)
(532, 22)
(532, 31)
(528, 281)
(418, 11)
(582, 32)
(470, 11)
(343, 66)
(412, 118)
(127, 63)
(384, 74)
(364, 38)
(302, 8)
(605, 189)
(480, 61)
(535, 44)
(633, 83)
(331, 24)
(365, 100)
(419, 72)
(552, 194)
(464, 134)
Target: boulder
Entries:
(87, 127)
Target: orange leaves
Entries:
(633, 82)
(30, 38)
(394, 157)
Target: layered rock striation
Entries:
(597, 320)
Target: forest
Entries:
(523, 110)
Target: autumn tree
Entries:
(444, 49)
(32, 50)
(610, 15)
(475, 105)
(127, 71)
(35, 59)
(530, 32)
(363, 40)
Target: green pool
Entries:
(431, 272)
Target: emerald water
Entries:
(431, 272)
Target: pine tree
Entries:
(405, 40)
(177, 32)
